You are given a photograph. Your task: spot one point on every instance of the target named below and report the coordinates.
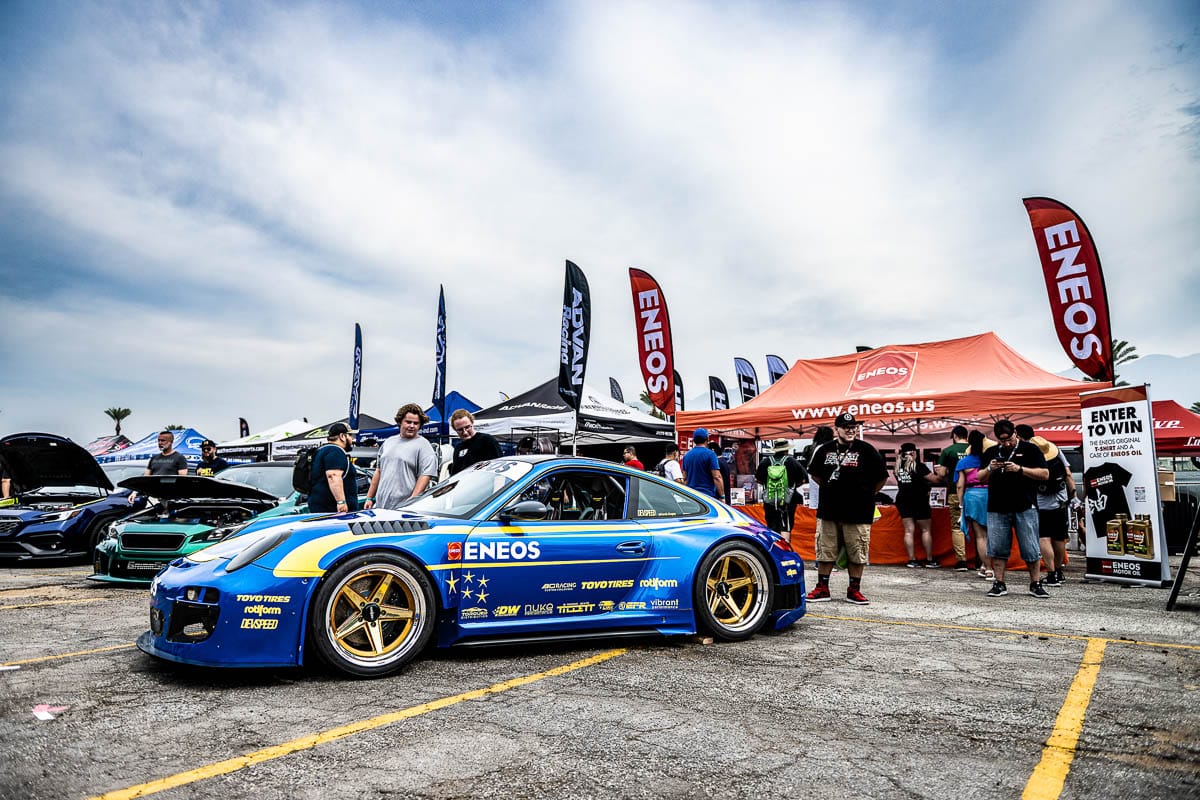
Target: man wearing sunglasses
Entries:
(1012, 469)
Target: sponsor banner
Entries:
(355, 379)
(439, 356)
(243, 428)
(678, 392)
(243, 453)
(1126, 541)
(718, 396)
(1074, 284)
(614, 389)
(576, 330)
(776, 368)
(747, 379)
(655, 356)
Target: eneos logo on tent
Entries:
(891, 370)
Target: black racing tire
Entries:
(96, 532)
(372, 614)
(734, 591)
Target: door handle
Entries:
(632, 548)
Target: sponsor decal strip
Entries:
(333, 734)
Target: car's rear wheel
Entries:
(372, 614)
(733, 592)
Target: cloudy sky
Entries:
(199, 200)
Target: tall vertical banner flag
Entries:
(355, 380)
(1126, 541)
(243, 427)
(717, 396)
(614, 388)
(1075, 284)
(747, 379)
(678, 391)
(776, 369)
(439, 357)
(655, 355)
(576, 332)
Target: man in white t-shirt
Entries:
(406, 462)
(670, 464)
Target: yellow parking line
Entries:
(67, 655)
(53, 603)
(1014, 631)
(1046, 782)
(307, 742)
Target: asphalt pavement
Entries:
(931, 691)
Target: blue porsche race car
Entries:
(514, 549)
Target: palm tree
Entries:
(1122, 353)
(116, 415)
(1195, 409)
(654, 412)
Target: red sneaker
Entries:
(856, 597)
(819, 594)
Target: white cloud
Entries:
(799, 179)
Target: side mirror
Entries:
(525, 510)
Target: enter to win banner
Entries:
(1126, 542)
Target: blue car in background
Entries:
(528, 547)
(63, 501)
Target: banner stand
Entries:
(1183, 565)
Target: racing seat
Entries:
(597, 501)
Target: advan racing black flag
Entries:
(439, 357)
(678, 392)
(776, 368)
(243, 427)
(576, 332)
(747, 378)
(717, 396)
(355, 380)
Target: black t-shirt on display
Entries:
(1009, 492)
(847, 475)
(480, 447)
(1106, 493)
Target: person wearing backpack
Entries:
(669, 467)
(1054, 496)
(332, 477)
(779, 474)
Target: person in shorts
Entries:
(850, 473)
(1053, 498)
(1012, 469)
(945, 470)
(913, 482)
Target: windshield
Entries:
(119, 472)
(276, 481)
(468, 491)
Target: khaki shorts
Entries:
(855, 537)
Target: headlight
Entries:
(235, 546)
(61, 516)
(113, 530)
(217, 534)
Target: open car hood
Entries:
(193, 487)
(36, 460)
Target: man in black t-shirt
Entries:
(780, 511)
(333, 477)
(210, 463)
(1012, 469)
(169, 461)
(850, 472)
(472, 446)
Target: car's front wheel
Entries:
(733, 592)
(372, 614)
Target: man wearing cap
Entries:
(776, 505)
(334, 478)
(1054, 497)
(1012, 468)
(850, 473)
(406, 462)
(701, 470)
(210, 463)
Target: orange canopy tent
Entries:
(901, 388)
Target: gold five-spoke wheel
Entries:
(736, 591)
